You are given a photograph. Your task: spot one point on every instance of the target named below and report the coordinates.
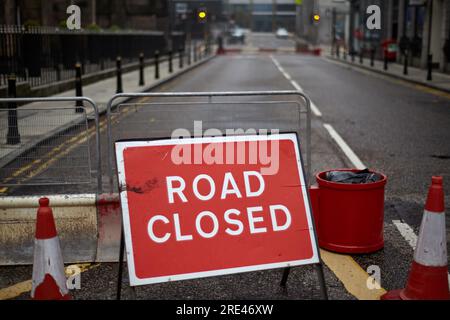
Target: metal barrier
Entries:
(49, 146)
(88, 227)
(223, 106)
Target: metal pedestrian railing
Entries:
(49, 147)
(56, 149)
(157, 115)
(60, 49)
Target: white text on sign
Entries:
(256, 217)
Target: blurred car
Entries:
(282, 33)
(237, 36)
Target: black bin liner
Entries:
(353, 177)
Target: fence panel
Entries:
(43, 55)
(48, 148)
(157, 115)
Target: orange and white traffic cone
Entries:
(428, 279)
(49, 280)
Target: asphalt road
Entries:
(269, 41)
(394, 128)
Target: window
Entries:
(262, 7)
(286, 7)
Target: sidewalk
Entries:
(440, 81)
(39, 121)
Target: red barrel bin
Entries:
(349, 217)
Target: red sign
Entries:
(209, 206)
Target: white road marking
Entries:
(354, 159)
(294, 83)
(409, 235)
(315, 110)
(407, 232)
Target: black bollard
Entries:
(78, 88)
(361, 55)
(352, 54)
(372, 57)
(385, 67)
(119, 75)
(405, 63)
(338, 49)
(430, 67)
(58, 72)
(189, 51)
(156, 64)
(141, 69)
(195, 52)
(13, 136)
(345, 54)
(180, 59)
(170, 62)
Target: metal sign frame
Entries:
(210, 96)
(120, 146)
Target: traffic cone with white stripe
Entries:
(428, 279)
(49, 280)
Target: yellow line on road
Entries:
(25, 286)
(53, 154)
(352, 276)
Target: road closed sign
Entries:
(210, 206)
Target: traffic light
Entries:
(202, 15)
(316, 18)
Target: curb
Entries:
(399, 77)
(102, 110)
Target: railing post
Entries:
(170, 61)
(13, 136)
(119, 75)
(352, 54)
(141, 69)
(156, 64)
(405, 63)
(430, 67)
(78, 88)
(361, 55)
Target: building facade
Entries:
(333, 24)
(420, 26)
(262, 15)
(124, 14)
